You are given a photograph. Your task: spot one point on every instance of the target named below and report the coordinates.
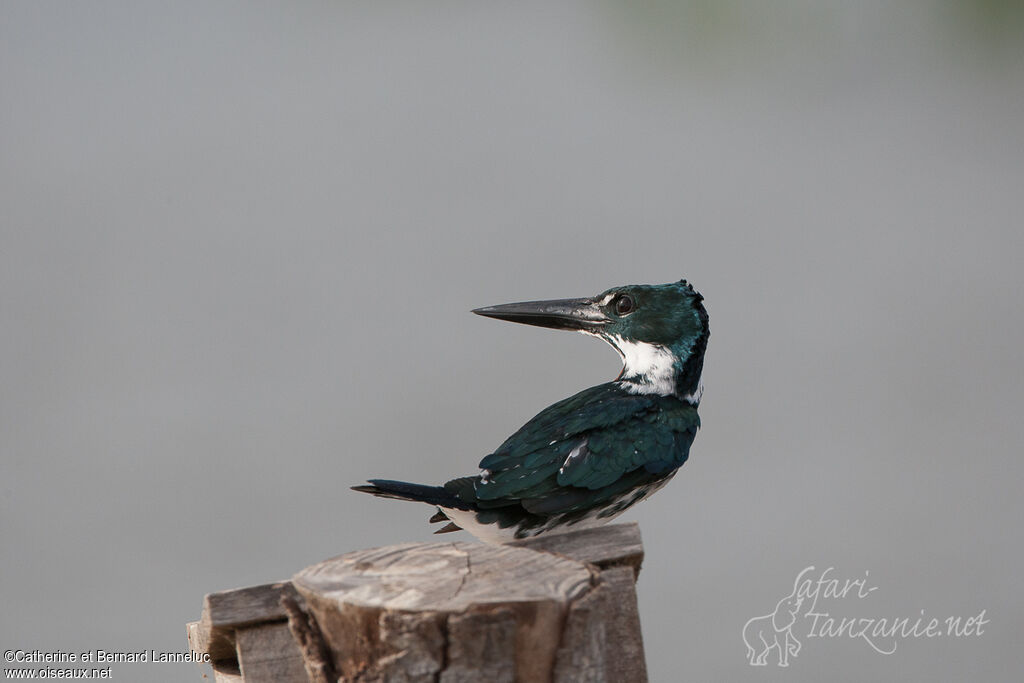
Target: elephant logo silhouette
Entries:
(774, 631)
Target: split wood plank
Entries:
(227, 611)
(267, 653)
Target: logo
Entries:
(807, 611)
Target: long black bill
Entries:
(561, 314)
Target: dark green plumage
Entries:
(590, 456)
(616, 432)
(621, 441)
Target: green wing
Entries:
(585, 449)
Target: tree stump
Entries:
(555, 609)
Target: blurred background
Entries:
(239, 243)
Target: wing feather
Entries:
(587, 449)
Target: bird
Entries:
(584, 460)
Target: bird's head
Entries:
(661, 331)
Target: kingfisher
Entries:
(586, 459)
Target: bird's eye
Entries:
(624, 304)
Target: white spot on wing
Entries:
(574, 455)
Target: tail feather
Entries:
(401, 490)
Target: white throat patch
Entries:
(646, 368)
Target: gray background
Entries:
(240, 241)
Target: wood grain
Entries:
(389, 608)
(444, 577)
(225, 612)
(602, 641)
(227, 671)
(268, 654)
(605, 546)
(559, 609)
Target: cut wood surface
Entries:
(443, 577)
(558, 608)
(391, 605)
(606, 546)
